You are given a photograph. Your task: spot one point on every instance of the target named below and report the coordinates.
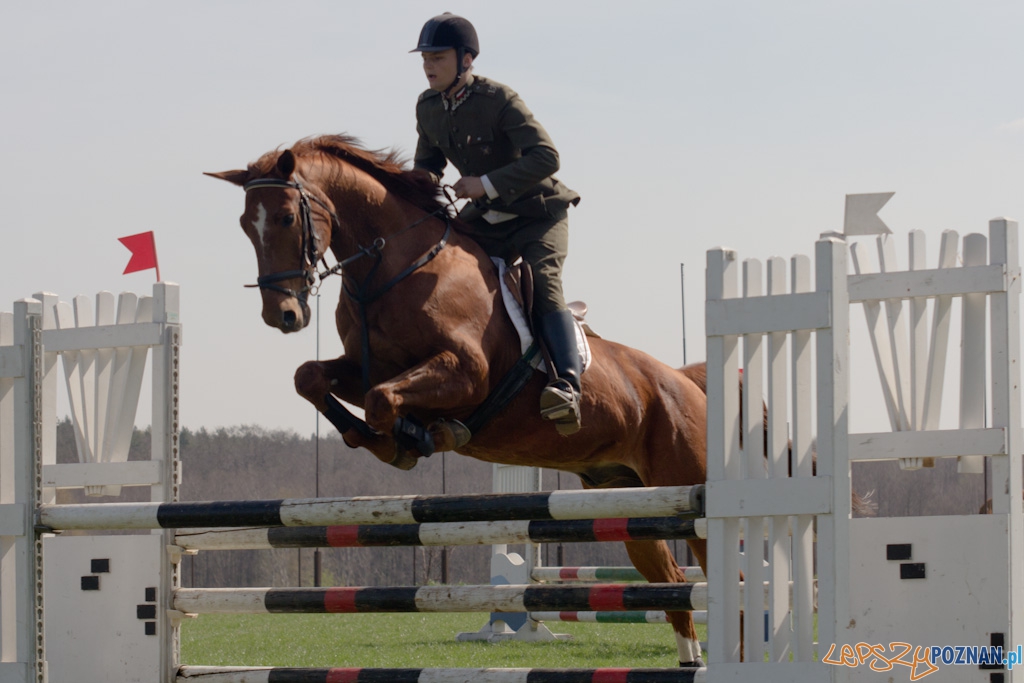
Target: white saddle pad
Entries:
(515, 311)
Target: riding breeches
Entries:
(542, 242)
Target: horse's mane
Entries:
(386, 166)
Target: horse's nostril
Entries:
(288, 319)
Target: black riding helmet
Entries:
(446, 32)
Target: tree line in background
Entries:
(251, 463)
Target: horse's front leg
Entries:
(443, 382)
(316, 378)
(342, 377)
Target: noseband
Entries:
(310, 249)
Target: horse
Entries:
(427, 339)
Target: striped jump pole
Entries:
(507, 598)
(634, 617)
(630, 617)
(658, 501)
(249, 674)
(446, 533)
(693, 574)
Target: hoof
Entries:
(403, 460)
(699, 664)
(450, 435)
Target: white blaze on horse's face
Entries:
(271, 233)
(260, 224)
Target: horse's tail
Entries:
(862, 506)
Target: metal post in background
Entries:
(690, 560)
(444, 548)
(316, 464)
(682, 290)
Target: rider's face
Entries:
(441, 67)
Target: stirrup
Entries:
(560, 403)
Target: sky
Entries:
(683, 125)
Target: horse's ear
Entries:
(286, 164)
(237, 177)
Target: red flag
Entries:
(143, 248)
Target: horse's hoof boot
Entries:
(412, 435)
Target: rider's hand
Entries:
(469, 187)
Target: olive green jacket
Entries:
(491, 132)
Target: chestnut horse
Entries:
(427, 338)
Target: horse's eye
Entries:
(288, 220)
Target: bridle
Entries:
(311, 254)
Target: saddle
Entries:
(517, 295)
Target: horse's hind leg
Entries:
(655, 561)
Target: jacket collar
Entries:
(455, 101)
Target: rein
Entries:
(311, 254)
(358, 291)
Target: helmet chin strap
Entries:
(460, 52)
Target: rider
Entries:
(517, 207)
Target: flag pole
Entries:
(156, 260)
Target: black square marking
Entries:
(151, 595)
(915, 570)
(100, 566)
(995, 640)
(898, 551)
(90, 583)
(145, 611)
(150, 628)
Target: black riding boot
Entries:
(560, 400)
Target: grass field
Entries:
(413, 641)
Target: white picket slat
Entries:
(102, 401)
(753, 460)
(884, 361)
(780, 641)
(973, 392)
(724, 460)
(803, 448)
(938, 348)
(897, 329)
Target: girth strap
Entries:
(503, 394)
